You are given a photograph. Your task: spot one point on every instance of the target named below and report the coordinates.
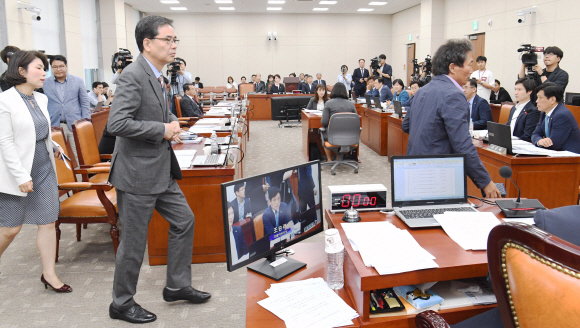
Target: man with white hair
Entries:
(318, 80)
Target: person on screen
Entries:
(306, 188)
(242, 205)
(238, 247)
(276, 218)
(256, 190)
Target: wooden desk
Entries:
(263, 106)
(397, 139)
(454, 263)
(310, 125)
(553, 181)
(374, 132)
(201, 187)
(315, 258)
(99, 120)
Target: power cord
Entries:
(483, 201)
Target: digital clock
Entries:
(367, 197)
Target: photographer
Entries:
(344, 77)
(117, 73)
(177, 82)
(552, 72)
(385, 70)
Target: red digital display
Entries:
(359, 200)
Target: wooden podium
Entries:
(291, 83)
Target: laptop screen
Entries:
(428, 180)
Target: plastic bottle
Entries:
(471, 127)
(335, 257)
(214, 143)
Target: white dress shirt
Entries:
(519, 108)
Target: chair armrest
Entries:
(85, 186)
(106, 156)
(322, 129)
(430, 319)
(100, 169)
(104, 164)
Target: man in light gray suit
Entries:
(142, 173)
(67, 98)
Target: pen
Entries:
(373, 305)
(378, 299)
(375, 299)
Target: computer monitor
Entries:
(500, 135)
(288, 107)
(266, 213)
(569, 100)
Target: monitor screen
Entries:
(265, 213)
(417, 179)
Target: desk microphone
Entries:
(519, 208)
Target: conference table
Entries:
(374, 132)
(311, 135)
(261, 104)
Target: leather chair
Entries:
(88, 151)
(535, 276)
(504, 113)
(329, 87)
(232, 93)
(342, 137)
(184, 122)
(89, 203)
(205, 95)
(259, 225)
(245, 88)
(218, 94)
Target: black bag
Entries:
(175, 169)
(314, 151)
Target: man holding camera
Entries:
(552, 72)
(385, 70)
(177, 68)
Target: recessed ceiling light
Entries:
(223, 1)
(178, 8)
(227, 8)
(377, 3)
(169, 2)
(274, 8)
(327, 2)
(276, 2)
(320, 9)
(365, 9)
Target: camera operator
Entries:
(6, 53)
(552, 72)
(385, 71)
(344, 77)
(117, 73)
(183, 65)
(180, 79)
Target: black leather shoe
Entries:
(134, 314)
(185, 294)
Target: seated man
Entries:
(307, 86)
(197, 83)
(558, 129)
(415, 85)
(479, 110)
(242, 205)
(318, 80)
(499, 94)
(96, 95)
(524, 116)
(371, 90)
(276, 218)
(238, 247)
(562, 222)
(190, 107)
(384, 91)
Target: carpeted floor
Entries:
(88, 265)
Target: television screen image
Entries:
(266, 213)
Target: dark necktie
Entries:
(160, 78)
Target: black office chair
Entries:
(343, 136)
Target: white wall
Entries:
(46, 31)
(404, 23)
(217, 46)
(555, 24)
(88, 16)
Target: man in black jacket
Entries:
(499, 94)
(190, 107)
(552, 72)
(524, 116)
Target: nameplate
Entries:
(497, 149)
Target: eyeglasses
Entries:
(169, 41)
(54, 68)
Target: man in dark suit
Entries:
(141, 171)
(198, 84)
(561, 222)
(415, 85)
(308, 87)
(479, 110)
(499, 94)
(384, 91)
(438, 122)
(238, 237)
(190, 107)
(524, 116)
(386, 71)
(557, 129)
(371, 89)
(306, 188)
(259, 86)
(277, 217)
(360, 77)
(318, 80)
(242, 205)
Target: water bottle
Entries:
(335, 257)
(471, 128)
(214, 143)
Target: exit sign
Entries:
(475, 25)
(410, 37)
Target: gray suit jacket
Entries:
(561, 222)
(141, 162)
(75, 104)
(336, 105)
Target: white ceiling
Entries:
(259, 6)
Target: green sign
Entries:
(410, 37)
(475, 25)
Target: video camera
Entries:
(529, 56)
(375, 66)
(173, 68)
(427, 68)
(124, 57)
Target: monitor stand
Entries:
(279, 272)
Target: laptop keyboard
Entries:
(212, 159)
(428, 213)
(222, 140)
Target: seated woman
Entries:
(269, 82)
(277, 87)
(231, 84)
(338, 103)
(400, 93)
(319, 99)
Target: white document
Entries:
(185, 157)
(521, 220)
(468, 229)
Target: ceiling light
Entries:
(327, 2)
(276, 2)
(178, 8)
(227, 8)
(365, 9)
(274, 8)
(320, 9)
(223, 1)
(377, 3)
(169, 2)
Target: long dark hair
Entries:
(325, 97)
(339, 91)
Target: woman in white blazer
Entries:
(28, 188)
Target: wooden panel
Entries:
(395, 138)
(99, 120)
(410, 57)
(575, 111)
(479, 48)
(495, 111)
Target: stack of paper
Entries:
(527, 148)
(308, 303)
(212, 121)
(185, 157)
(369, 239)
(468, 229)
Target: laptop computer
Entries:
(213, 159)
(398, 108)
(422, 186)
(377, 102)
